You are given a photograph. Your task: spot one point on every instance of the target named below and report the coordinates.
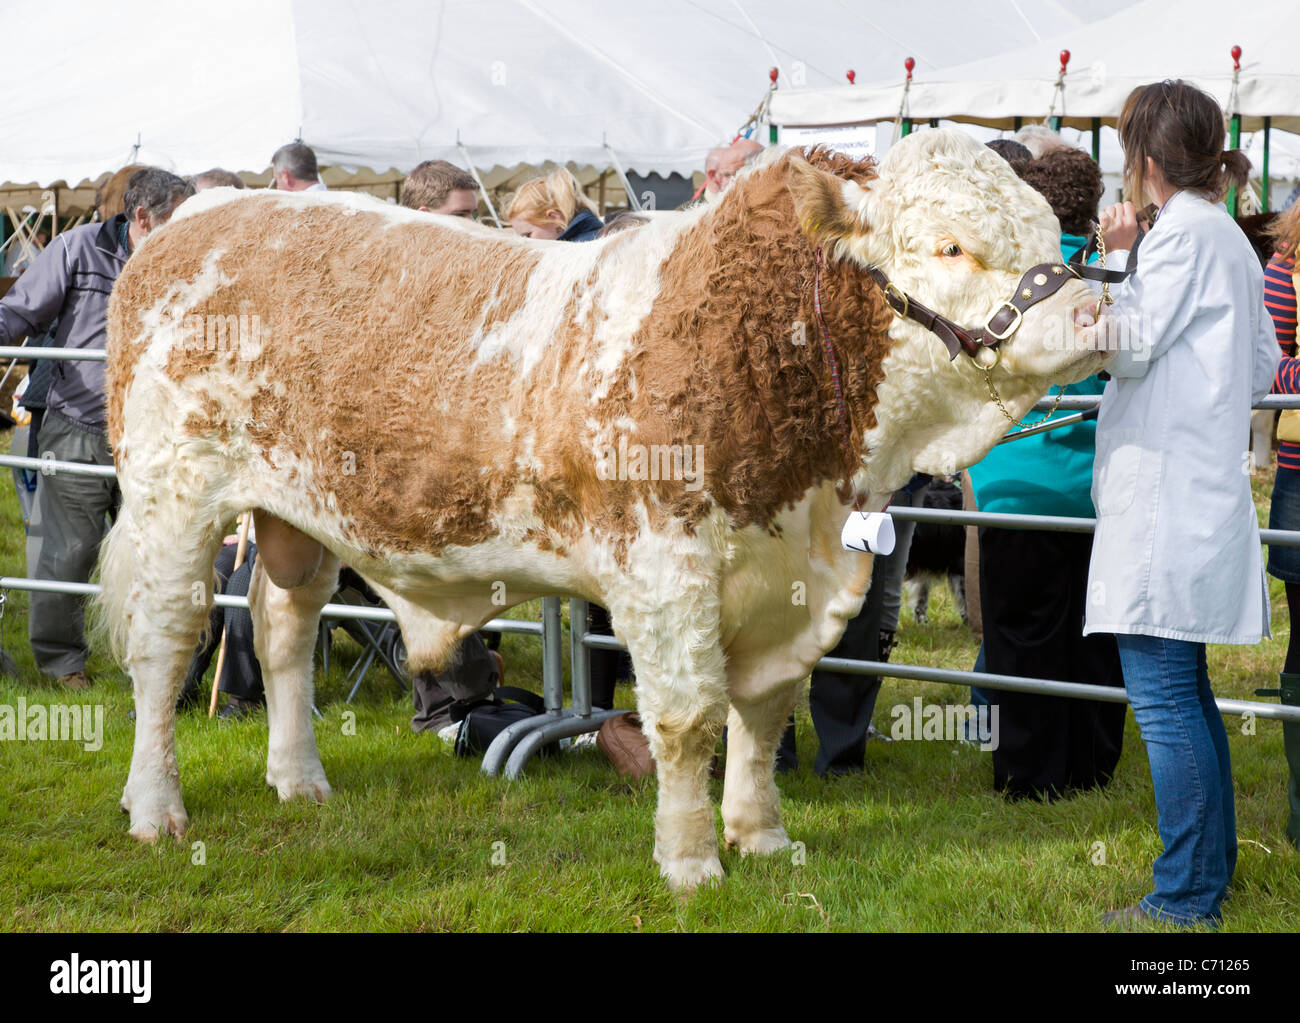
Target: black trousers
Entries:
(1033, 586)
(241, 675)
(842, 704)
(607, 666)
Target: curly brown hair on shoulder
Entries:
(1071, 183)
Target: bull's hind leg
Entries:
(157, 584)
(284, 635)
(751, 804)
(681, 696)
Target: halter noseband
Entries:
(1037, 283)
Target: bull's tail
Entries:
(109, 615)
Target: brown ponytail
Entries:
(1181, 129)
(1236, 167)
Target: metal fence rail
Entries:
(516, 744)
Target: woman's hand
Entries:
(1119, 227)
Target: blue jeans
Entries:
(1168, 685)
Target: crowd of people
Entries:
(1131, 607)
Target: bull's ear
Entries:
(826, 206)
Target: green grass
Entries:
(920, 842)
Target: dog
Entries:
(937, 552)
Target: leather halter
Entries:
(1037, 283)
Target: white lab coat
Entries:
(1177, 552)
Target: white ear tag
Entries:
(872, 533)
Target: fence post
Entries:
(552, 656)
(579, 658)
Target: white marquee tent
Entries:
(383, 84)
(1152, 40)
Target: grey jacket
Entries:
(70, 281)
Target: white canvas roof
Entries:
(385, 84)
(1150, 41)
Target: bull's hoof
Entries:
(757, 843)
(300, 778)
(689, 873)
(151, 827)
(316, 788)
(155, 813)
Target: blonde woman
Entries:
(553, 207)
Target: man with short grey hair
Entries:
(293, 169)
(70, 282)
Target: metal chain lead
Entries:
(1106, 298)
(997, 400)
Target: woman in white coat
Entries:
(1176, 559)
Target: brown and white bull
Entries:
(457, 412)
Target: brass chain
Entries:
(1106, 298)
(997, 400)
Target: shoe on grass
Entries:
(74, 680)
(237, 708)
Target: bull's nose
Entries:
(1085, 315)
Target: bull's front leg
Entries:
(285, 625)
(681, 696)
(751, 804)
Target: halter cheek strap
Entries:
(1037, 283)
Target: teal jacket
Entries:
(1049, 473)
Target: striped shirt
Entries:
(1279, 298)
(1287, 381)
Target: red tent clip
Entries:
(1236, 58)
(1065, 59)
(909, 64)
(772, 74)
(850, 75)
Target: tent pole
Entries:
(482, 189)
(632, 200)
(1234, 125)
(1268, 127)
(1096, 140)
(1234, 139)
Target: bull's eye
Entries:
(952, 250)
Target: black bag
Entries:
(483, 720)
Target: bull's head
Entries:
(949, 223)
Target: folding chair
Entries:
(382, 640)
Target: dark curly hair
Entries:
(1071, 183)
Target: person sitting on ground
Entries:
(294, 169)
(554, 207)
(437, 186)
